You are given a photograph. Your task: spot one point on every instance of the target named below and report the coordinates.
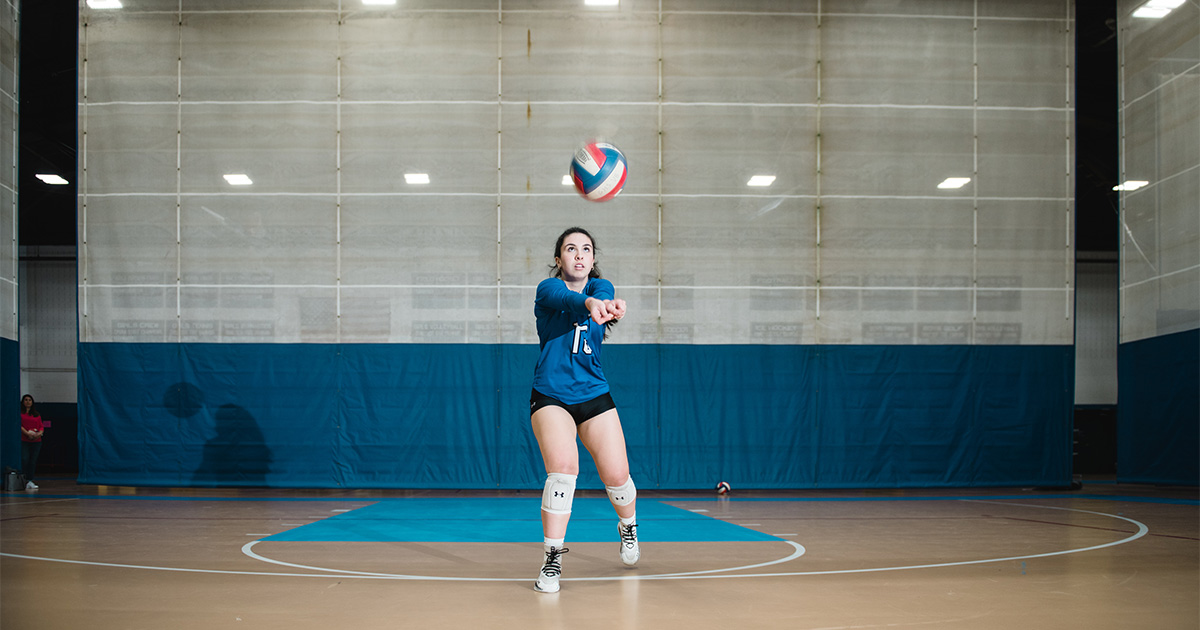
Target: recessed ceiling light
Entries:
(238, 179)
(954, 182)
(1131, 184)
(53, 180)
(378, 3)
(567, 180)
(416, 178)
(1150, 12)
(104, 4)
(601, 3)
(1157, 8)
(761, 180)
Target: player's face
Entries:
(576, 257)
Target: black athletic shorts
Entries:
(581, 412)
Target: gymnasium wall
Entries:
(851, 324)
(1159, 353)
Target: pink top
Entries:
(31, 423)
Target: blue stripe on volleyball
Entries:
(591, 182)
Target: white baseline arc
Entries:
(799, 550)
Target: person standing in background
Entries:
(31, 439)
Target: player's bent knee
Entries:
(558, 493)
(623, 494)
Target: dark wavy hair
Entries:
(32, 406)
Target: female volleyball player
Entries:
(574, 309)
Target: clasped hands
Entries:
(603, 311)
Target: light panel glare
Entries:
(53, 180)
(1150, 12)
(416, 178)
(954, 182)
(238, 179)
(761, 180)
(1131, 184)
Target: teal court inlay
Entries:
(510, 520)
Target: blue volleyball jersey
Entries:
(568, 368)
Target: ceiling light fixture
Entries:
(761, 180)
(567, 180)
(378, 3)
(954, 182)
(416, 178)
(104, 4)
(601, 3)
(1131, 184)
(53, 180)
(1156, 8)
(238, 179)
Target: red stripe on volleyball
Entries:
(597, 154)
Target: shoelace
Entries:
(629, 535)
(553, 564)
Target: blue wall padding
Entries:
(1158, 420)
(456, 415)
(10, 395)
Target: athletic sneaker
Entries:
(629, 544)
(547, 581)
(29, 485)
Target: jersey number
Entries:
(579, 330)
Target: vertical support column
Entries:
(817, 202)
(659, 202)
(338, 183)
(499, 157)
(1069, 267)
(82, 251)
(974, 172)
(179, 180)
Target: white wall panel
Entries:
(859, 110)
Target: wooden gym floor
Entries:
(100, 557)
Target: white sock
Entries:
(632, 520)
(547, 543)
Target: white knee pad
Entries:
(558, 493)
(623, 494)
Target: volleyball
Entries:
(723, 487)
(598, 171)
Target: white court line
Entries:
(697, 575)
(246, 549)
